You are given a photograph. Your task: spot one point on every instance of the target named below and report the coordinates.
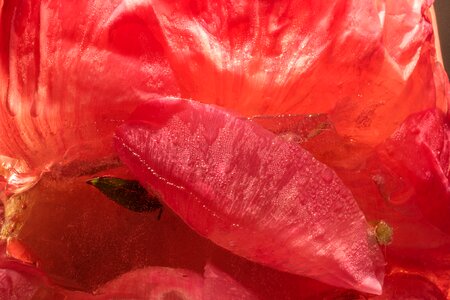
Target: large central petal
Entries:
(251, 192)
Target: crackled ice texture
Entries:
(250, 192)
(65, 82)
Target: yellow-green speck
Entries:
(384, 233)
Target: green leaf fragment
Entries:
(384, 233)
(127, 193)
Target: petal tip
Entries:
(371, 285)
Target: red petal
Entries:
(80, 79)
(250, 192)
(220, 283)
(81, 239)
(370, 64)
(417, 157)
(259, 281)
(66, 82)
(403, 286)
(252, 56)
(155, 283)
